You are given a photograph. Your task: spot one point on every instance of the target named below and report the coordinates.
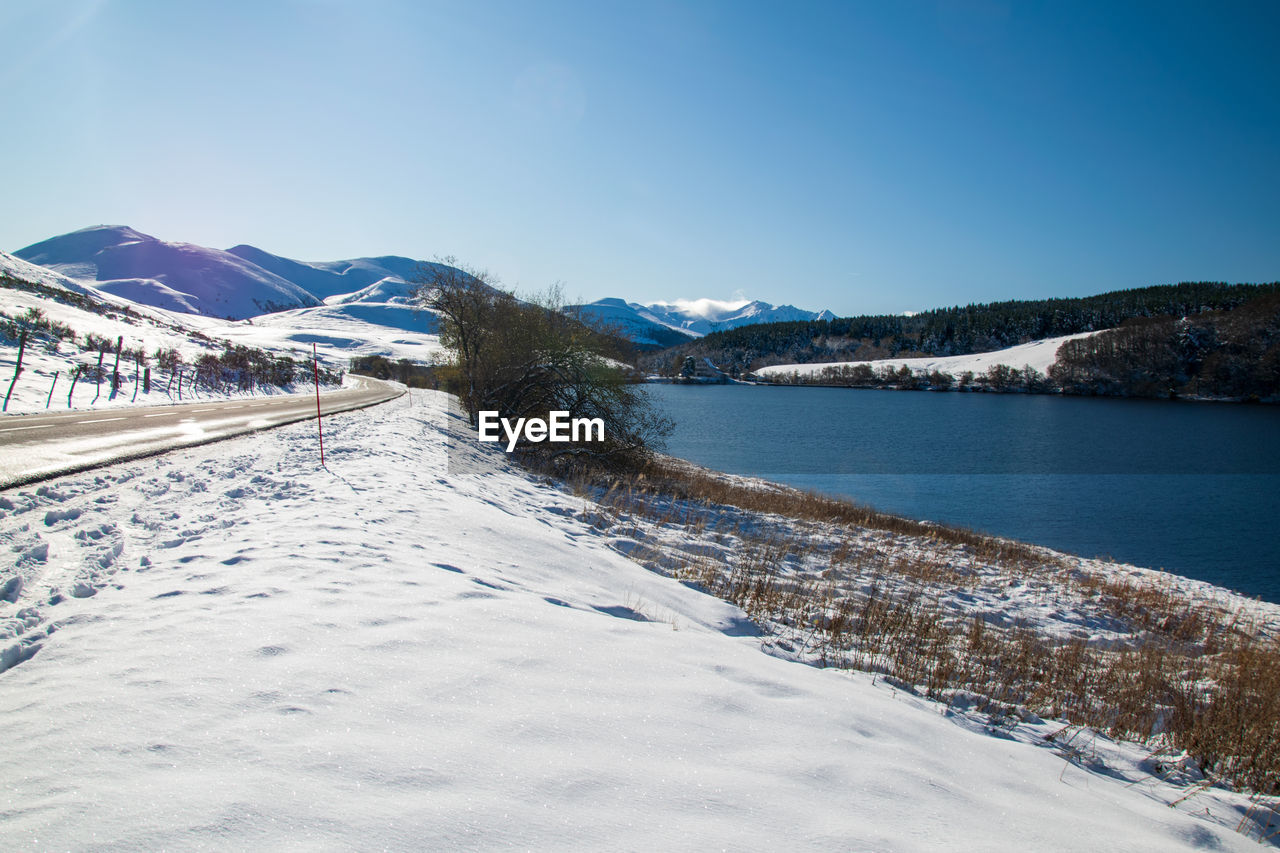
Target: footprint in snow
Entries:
(53, 516)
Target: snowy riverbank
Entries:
(1036, 354)
(253, 652)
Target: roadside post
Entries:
(315, 368)
(22, 348)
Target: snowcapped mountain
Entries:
(238, 283)
(702, 316)
(377, 317)
(247, 282)
(177, 276)
(325, 280)
(633, 321)
(690, 318)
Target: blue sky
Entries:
(863, 157)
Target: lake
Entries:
(1191, 488)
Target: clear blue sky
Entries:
(859, 156)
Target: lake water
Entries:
(1192, 488)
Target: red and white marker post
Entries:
(315, 367)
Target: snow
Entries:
(1037, 354)
(16, 267)
(634, 322)
(176, 276)
(693, 317)
(229, 647)
(365, 326)
(333, 278)
(341, 331)
(238, 283)
(703, 316)
(37, 390)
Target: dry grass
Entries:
(843, 585)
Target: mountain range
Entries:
(234, 284)
(663, 324)
(247, 282)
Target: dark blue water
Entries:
(1192, 488)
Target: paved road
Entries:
(37, 447)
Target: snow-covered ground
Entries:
(1037, 354)
(230, 648)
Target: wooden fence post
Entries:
(22, 348)
(115, 371)
(51, 387)
(98, 394)
(75, 377)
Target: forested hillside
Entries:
(1234, 353)
(951, 331)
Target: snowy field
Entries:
(230, 648)
(1037, 354)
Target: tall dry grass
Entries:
(1187, 676)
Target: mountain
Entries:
(664, 324)
(238, 283)
(325, 280)
(177, 276)
(704, 316)
(247, 282)
(632, 321)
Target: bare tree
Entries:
(525, 358)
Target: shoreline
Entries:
(1195, 587)
(1176, 398)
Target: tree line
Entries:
(1001, 378)
(957, 330)
(1229, 354)
(403, 370)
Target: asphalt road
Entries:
(37, 447)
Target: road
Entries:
(37, 447)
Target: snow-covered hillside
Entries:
(325, 279)
(175, 276)
(414, 651)
(1036, 354)
(377, 320)
(239, 283)
(15, 267)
